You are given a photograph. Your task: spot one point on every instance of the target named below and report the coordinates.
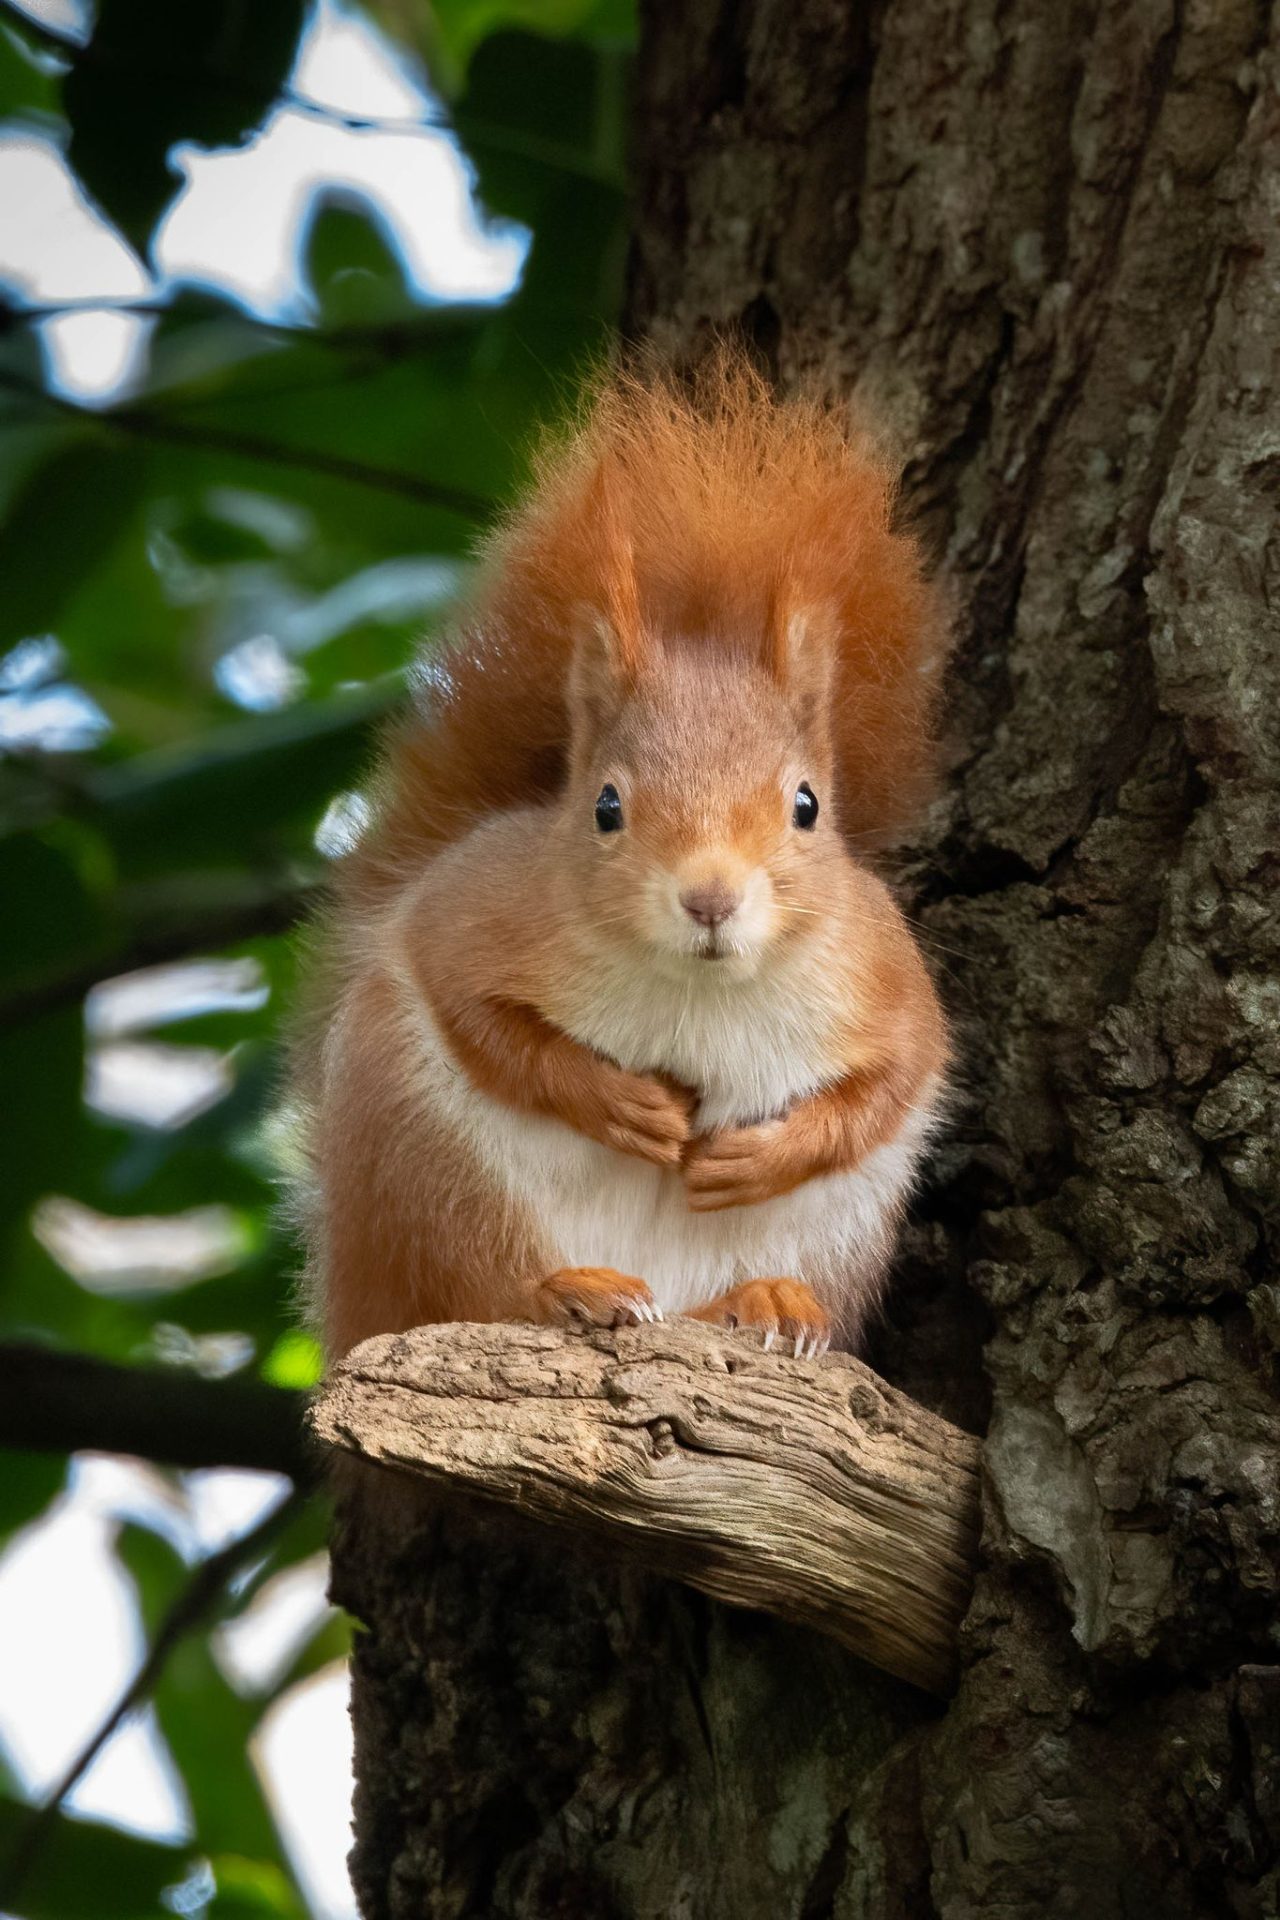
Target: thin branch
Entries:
(425, 122)
(807, 1487)
(197, 1600)
(471, 130)
(58, 1402)
(30, 314)
(148, 424)
(224, 924)
(428, 325)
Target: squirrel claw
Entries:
(594, 1297)
(780, 1309)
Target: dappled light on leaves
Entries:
(283, 295)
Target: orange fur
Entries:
(704, 603)
(710, 512)
(593, 1297)
(838, 1127)
(518, 1057)
(785, 1307)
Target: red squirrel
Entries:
(617, 1020)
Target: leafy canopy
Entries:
(271, 518)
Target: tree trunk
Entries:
(1044, 243)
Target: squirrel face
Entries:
(697, 817)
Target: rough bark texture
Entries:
(804, 1487)
(1045, 243)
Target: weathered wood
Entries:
(808, 1488)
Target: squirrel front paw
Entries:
(739, 1167)
(595, 1297)
(647, 1117)
(782, 1309)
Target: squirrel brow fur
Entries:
(706, 510)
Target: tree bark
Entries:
(1044, 245)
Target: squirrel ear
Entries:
(602, 668)
(800, 649)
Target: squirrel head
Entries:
(699, 518)
(698, 813)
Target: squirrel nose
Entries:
(711, 904)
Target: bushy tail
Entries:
(720, 490)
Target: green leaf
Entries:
(66, 519)
(538, 110)
(29, 1482)
(84, 1871)
(131, 646)
(365, 422)
(41, 1073)
(460, 26)
(351, 266)
(295, 1360)
(28, 77)
(153, 74)
(329, 1645)
(37, 1299)
(304, 1535)
(545, 123)
(246, 792)
(202, 332)
(52, 907)
(252, 1890)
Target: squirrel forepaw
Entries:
(784, 1310)
(649, 1118)
(738, 1167)
(595, 1297)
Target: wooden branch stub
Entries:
(809, 1488)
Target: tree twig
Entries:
(147, 423)
(427, 326)
(193, 1605)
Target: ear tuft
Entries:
(608, 635)
(620, 593)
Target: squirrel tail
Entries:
(720, 496)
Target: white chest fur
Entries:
(750, 1047)
(752, 1052)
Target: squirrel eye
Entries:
(806, 808)
(608, 810)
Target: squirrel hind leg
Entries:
(594, 1297)
(784, 1310)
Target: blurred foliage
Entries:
(313, 489)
